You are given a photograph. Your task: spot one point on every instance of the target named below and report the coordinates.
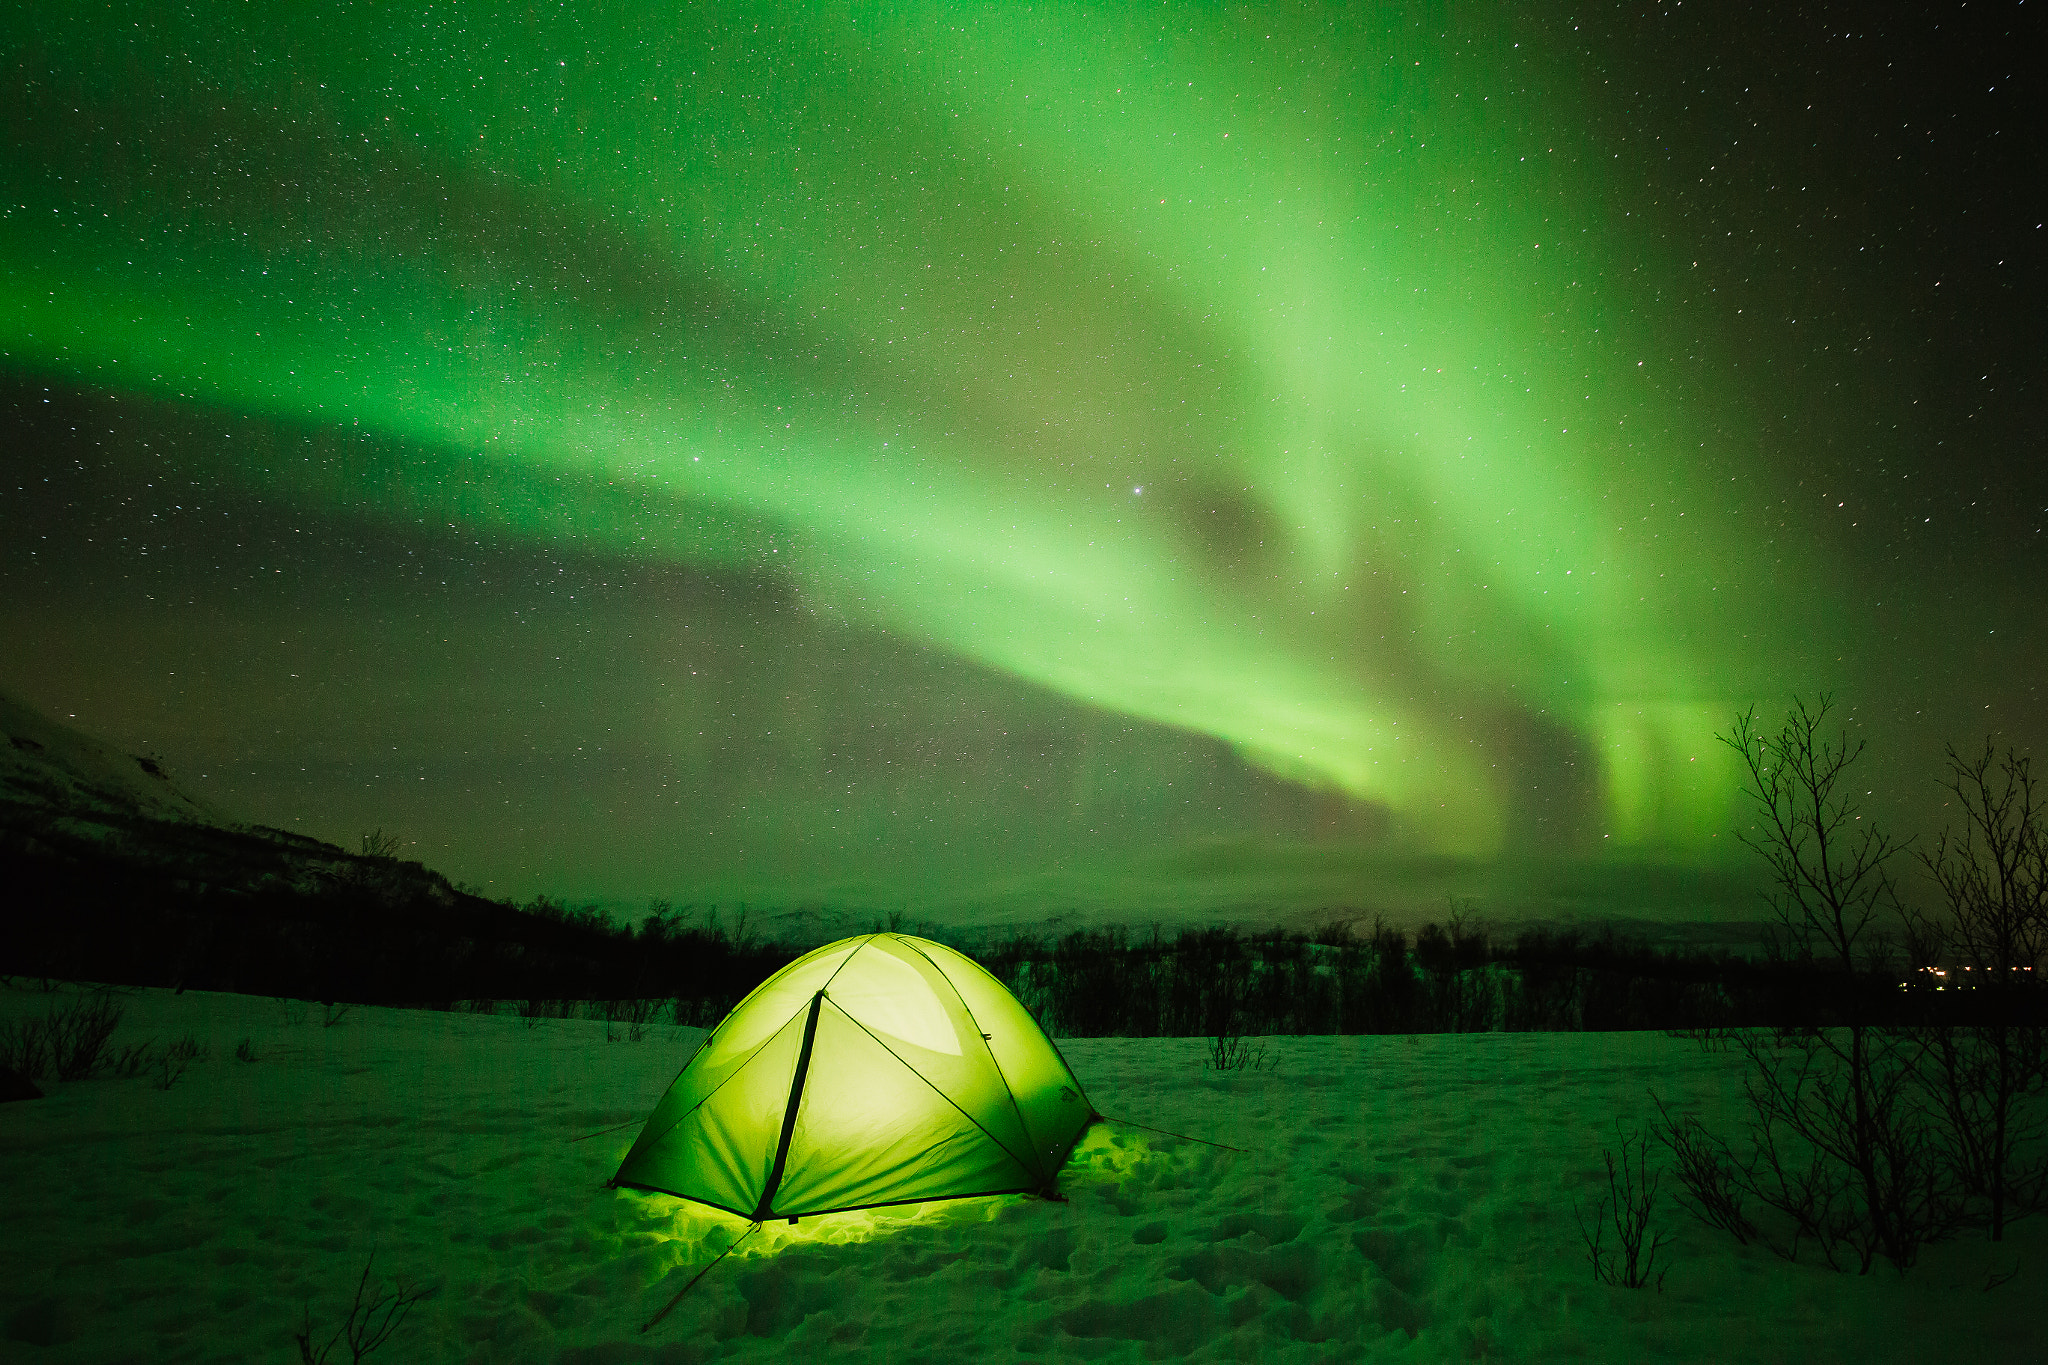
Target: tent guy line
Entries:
(1128, 1123)
(731, 1247)
(617, 1127)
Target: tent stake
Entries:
(751, 1230)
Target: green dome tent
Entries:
(883, 1069)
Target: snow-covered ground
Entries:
(1400, 1198)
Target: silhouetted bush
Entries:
(69, 1041)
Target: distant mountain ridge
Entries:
(109, 872)
(70, 802)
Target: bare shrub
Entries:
(131, 1060)
(176, 1059)
(1986, 1083)
(1840, 1138)
(1811, 1195)
(1710, 1037)
(629, 1017)
(78, 1036)
(1625, 1211)
(1847, 1145)
(1987, 1074)
(24, 1047)
(371, 1320)
(1705, 1171)
(1231, 1051)
(378, 844)
(69, 1041)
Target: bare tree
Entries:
(1839, 1140)
(1829, 863)
(1987, 1073)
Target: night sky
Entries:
(1122, 461)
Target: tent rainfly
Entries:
(883, 1069)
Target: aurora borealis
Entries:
(967, 455)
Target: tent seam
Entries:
(866, 939)
(1004, 1146)
(730, 1077)
(757, 1047)
(1023, 1123)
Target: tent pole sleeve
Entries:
(796, 1095)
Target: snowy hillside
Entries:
(47, 763)
(69, 801)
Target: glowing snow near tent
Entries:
(876, 1070)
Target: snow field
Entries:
(1400, 1199)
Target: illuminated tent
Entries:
(883, 1069)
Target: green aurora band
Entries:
(1291, 380)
